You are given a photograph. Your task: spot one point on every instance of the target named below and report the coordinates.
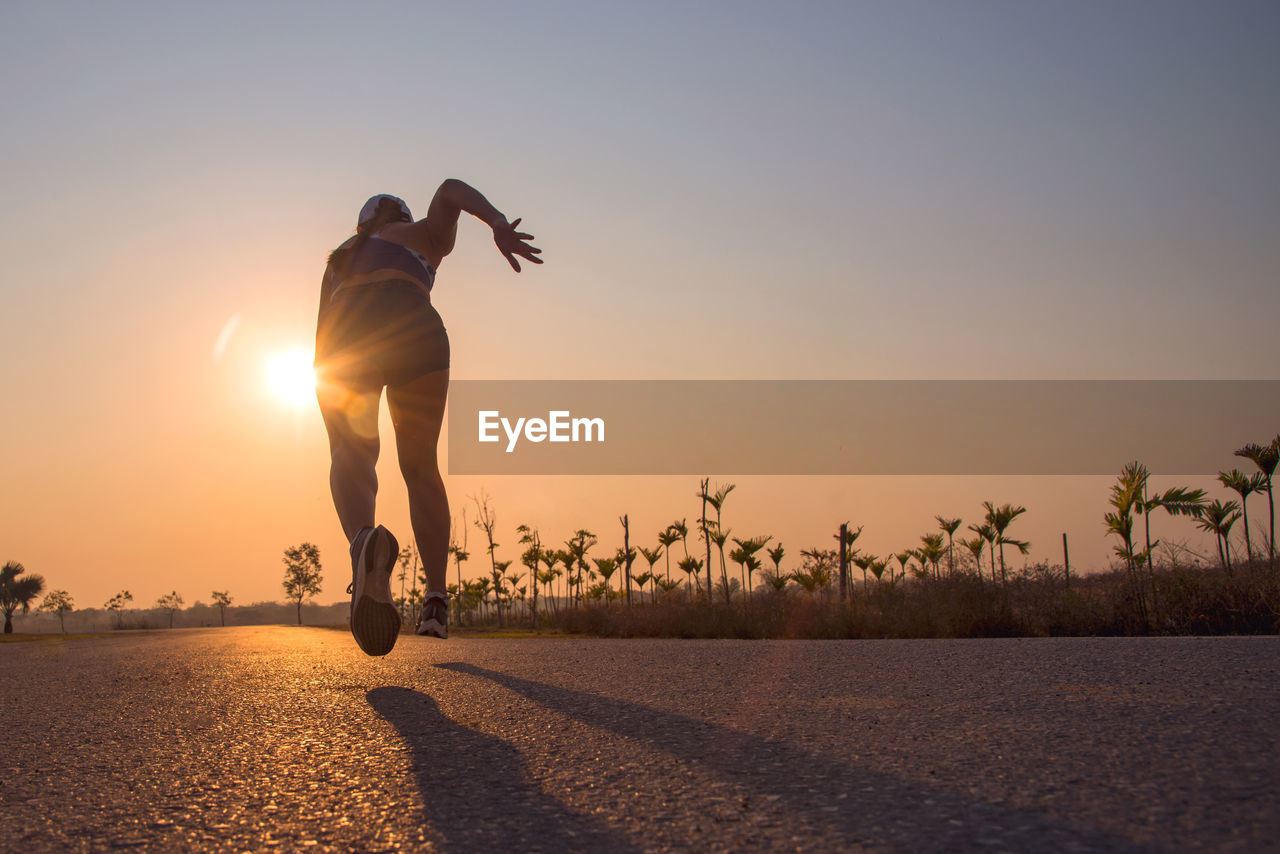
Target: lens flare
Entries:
(291, 378)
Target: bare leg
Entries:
(417, 410)
(351, 419)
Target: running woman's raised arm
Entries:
(441, 224)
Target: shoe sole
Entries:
(375, 621)
(433, 629)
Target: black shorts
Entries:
(386, 333)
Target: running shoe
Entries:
(375, 621)
(434, 620)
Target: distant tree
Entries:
(488, 522)
(302, 576)
(223, 601)
(117, 603)
(59, 602)
(17, 592)
(172, 603)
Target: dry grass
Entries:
(1035, 602)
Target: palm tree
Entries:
(1126, 494)
(716, 501)
(1265, 457)
(903, 559)
(569, 558)
(975, 548)
(863, 562)
(1000, 518)
(1177, 501)
(643, 579)
(550, 557)
(776, 554)
(745, 556)
(1217, 518)
(531, 557)
(681, 529)
(720, 537)
(988, 535)
(950, 526)
(607, 567)
(1244, 485)
(578, 547)
(931, 551)
(923, 571)
(651, 557)
(625, 557)
(692, 566)
(666, 540)
(17, 592)
(850, 537)
(547, 578)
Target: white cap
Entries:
(370, 209)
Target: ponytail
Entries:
(388, 211)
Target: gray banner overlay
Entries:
(873, 427)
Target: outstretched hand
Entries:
(512, 243)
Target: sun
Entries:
(290, 377)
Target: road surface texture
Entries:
(285, 738)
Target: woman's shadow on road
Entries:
(475, 788)
(864, 805)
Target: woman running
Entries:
(377, 328)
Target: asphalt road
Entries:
(291, 739)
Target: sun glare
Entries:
(291, 378)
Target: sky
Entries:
(896, 190)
